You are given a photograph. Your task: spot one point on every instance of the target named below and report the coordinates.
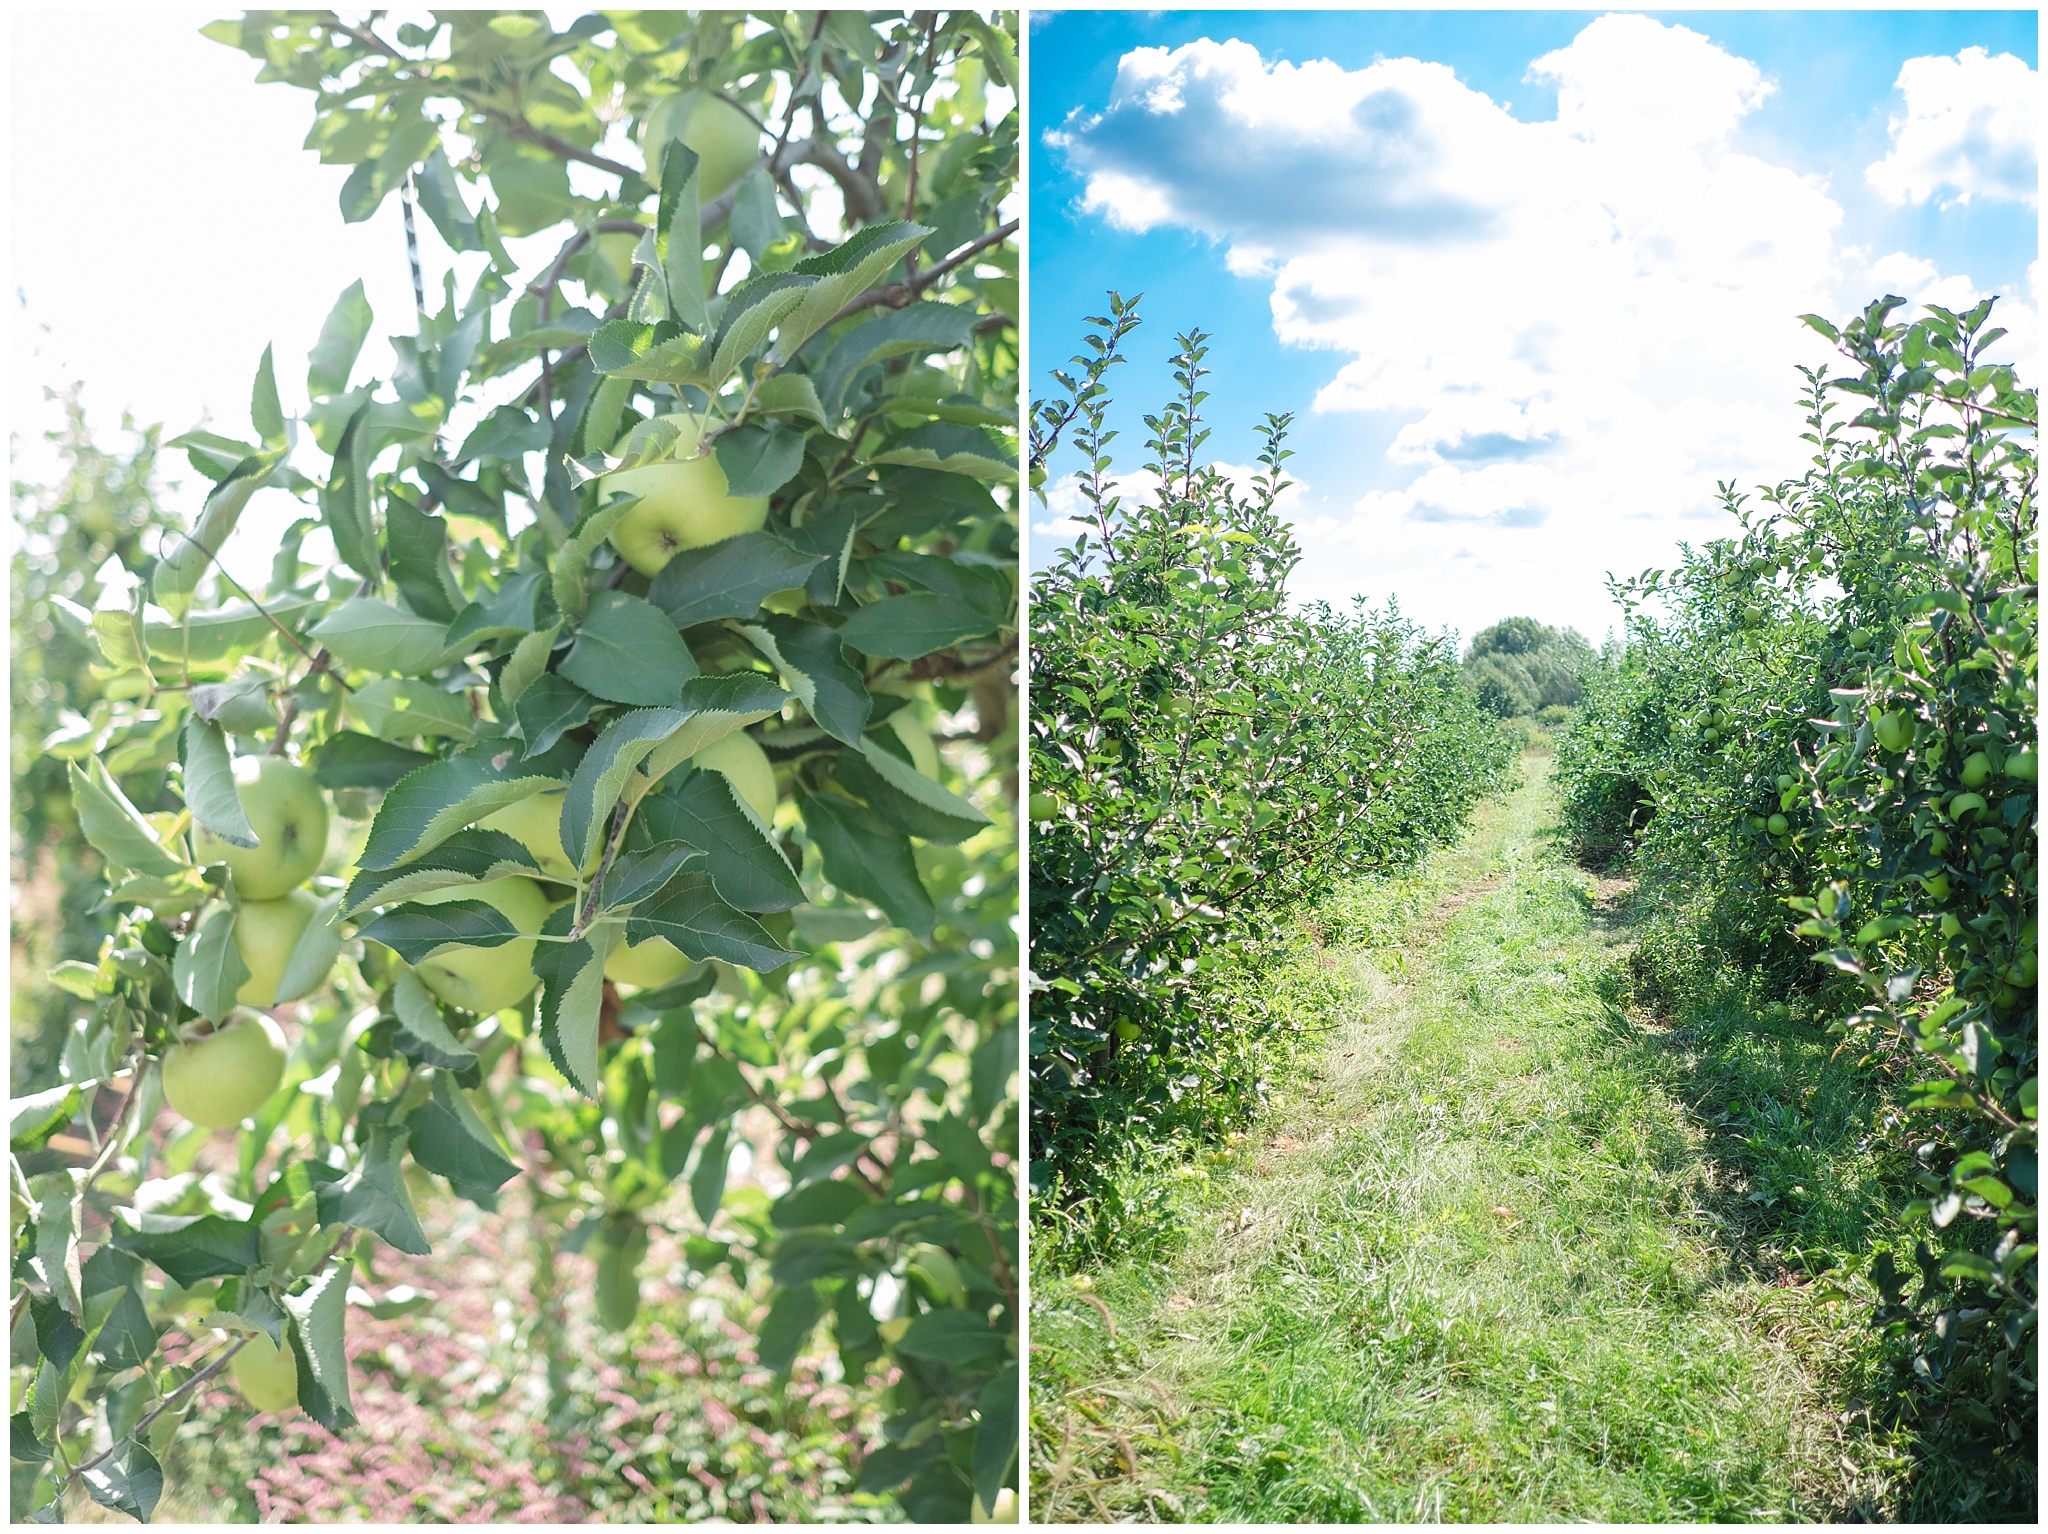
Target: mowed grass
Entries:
(1509, 1254)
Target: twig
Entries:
(134, 1433)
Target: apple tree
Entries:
(606, 791)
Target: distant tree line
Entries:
(1520, 667)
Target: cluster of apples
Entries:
(221, 1078)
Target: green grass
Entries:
(1508, 1252)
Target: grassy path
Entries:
(1506, 1254)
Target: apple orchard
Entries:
(603, 806)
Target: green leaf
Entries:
(707, 1182)
(420, 1016)
(192, 1247)
(712, 707)
(920, 327)
(759, 460)
(349, 760)
(868, 859)
(811, 660)
(548, 707)
(373, 1196)
(449, 1137)
(34, 1118)
(572, 999)
(345, 498)
(943, 815)
(915, 624)
(113, 826)
(116, 1312)
(980, 466)
(266, 412)
(203, 638)
(806, 1255)
(679, 240)
(56, 1233)
(400, 708)
(628, 651)
(828, 1202)
(957, 1337)
(475, 856)
(418, 544)
(791, 1319)
(177, 573)
(995, 1435)
(333, 357)
(508, 432)
(690, 915)
(572, 573)
(23, 1445)
(128, 1481)
(416, 931)
(985, 588)
(207, 969)
(729, 579)
(313, 956)
(791, 394)
(752, 310)
(528, 663)
(209, 783)
(508, 610)
(634, 876)
(441, 200)
(429, 805)
(843, 274)
(657, 353)
(756, 223)
(241, 707)
(368, 635)
(319, 1344)
(747, 867)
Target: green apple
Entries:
(288, 813)
(2024, 765)
(535, 822)
(725, 138)
(924, 756)
(219, 1080)
(685, 503)
(746, 767)
(1778, 825)
(1894, 730)
(1002, 1512)
(267, 1373)
(1976, 769)
(487, 980)
(650, 964)
(1951, 924)
(266, 932)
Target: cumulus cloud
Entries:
(1582, 325)
(1970, 128)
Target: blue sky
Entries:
(1529, 280)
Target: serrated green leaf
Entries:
(942, 802)
(548, 707)
(414, 932)
(128, 1481)
(729, 579)
(266, 412)
(404, 708)
(192, 1247)
(449, 1137)
(419, 1015)
(842, 274)
(658, 353)
(34, 1118)
(747, 867)
(634, 876)
(319, 1345)
(977, 466)
(475, 856)
(627, 651)
(342, 335)
(995, 1434)
(790, 394)
(707, 1182)
(690, 915)
(418, 546)
(869, 859)
(370, 635)
(177, 573)
(571, 1003)
(345, 498)
(314, 954)
(812, 663)
(207, 969)
(753, 309)
(209, 783)
(917, 623)
(373, 1195)
(349, 760)
(759, 460)
(432, 803)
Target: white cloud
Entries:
(1580, 326)
(1970, 126)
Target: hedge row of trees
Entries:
(1204, 762)
(1826, 740)
(605, 793)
